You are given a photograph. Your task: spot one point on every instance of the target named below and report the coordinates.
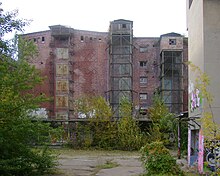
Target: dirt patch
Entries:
(89, 163)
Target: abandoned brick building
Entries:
(112, 64)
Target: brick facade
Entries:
(77, 64)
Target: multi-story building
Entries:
(203, 23)
(112, 64)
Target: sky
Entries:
(151, 18)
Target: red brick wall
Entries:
(151, 71)
(90, 65)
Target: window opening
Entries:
(143, 80)
(143, 49)
(172, 41)
(143, 63)
(143, 96)
(82, 38)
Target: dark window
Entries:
(35, 39)
(172, 41)
(82, 38)
(43, 39)
(123, 25)
(143, 63)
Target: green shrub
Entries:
(157, 160)
(102, 131)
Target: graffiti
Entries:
(213, 154)
(195, 98)
(201, 152)
(39, 113)
(210, 157)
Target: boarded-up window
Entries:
(62, 85)
(61, 69)
(62, 101)
(62, 53)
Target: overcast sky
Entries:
(151, 18)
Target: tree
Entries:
(163, 122)
(19, 132)
(101, 130)
(130, 136)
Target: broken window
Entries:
(143, 63)
(172, 41)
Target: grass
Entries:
(93, 152)
(108, 165)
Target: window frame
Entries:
(143, 64)
(143, 80)
(143, 96)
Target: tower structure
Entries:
(62, 75)
(171, 77)
(120, 63)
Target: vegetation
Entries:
(210, 129)
(130, 136)
(18, 131)
(108, 165)
(163, 122)
(158, 161)
(104, 132)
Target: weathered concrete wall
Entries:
(211, 44)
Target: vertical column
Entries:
(121, 39)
